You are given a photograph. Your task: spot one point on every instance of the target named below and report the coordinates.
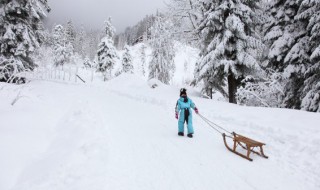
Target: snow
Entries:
(122, 134)
(184, 60)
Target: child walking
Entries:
(183, 106)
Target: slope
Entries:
(122, 135)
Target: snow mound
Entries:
(127, 81)
(155, 83)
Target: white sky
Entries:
(92, 13)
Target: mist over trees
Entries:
(135, 34)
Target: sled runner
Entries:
(246, 143)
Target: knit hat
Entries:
(183, 91)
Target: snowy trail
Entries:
(106, 137)
(153, 143)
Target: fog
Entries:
(92, 13)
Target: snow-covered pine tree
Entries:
(107, 54)
(63, 49)
(109, 29)
(309, 11)
(80, 43)
(127, 60)
(93, 38)
(143, 59)
(161, 66)
(292, 33)
(213, 81)
(20, 35)
(287, 40)
(186, 15)
(280, 32)
(71, 33)
(231, 45)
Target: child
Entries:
(183, 106)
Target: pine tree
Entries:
(143, 59)
(127, 60)
(186, 15)
(63, 49)
(109, 30)
(80, 43)
(293, 36)
(93, 38)
(20, 35)
(161, 66)
(231, 45)
(287, 41)
(71, 33)
(280, 32)
(309, 11)
(107, 54)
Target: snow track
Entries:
(123, 135)
(76, 154)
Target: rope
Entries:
(204, 119)
(210, 123)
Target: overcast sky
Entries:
(92, 13)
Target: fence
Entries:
(65, 74)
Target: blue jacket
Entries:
(182, 105)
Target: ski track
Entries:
(100, 142)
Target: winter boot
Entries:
(181, 134)
(190, 135)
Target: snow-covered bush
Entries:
(87, 63)
(267, 92)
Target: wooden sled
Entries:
(245, 143)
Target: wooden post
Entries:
(64, 75)
(76, 78)
(91, 75)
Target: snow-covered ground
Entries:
(122, 134)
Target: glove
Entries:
(196, 110)
(177, 115)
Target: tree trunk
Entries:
(232, 85)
